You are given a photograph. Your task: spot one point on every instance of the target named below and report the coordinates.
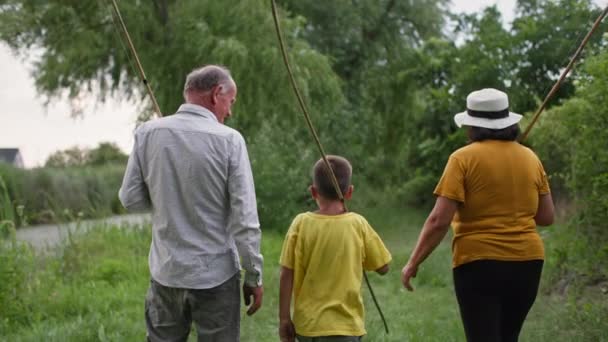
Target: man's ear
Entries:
(215, 92)
(349, 192)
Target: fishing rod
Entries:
(137, 62)
(313, 132)
(557, 84)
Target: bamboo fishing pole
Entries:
(137, 62)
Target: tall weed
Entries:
(16, 276)
(6, 205)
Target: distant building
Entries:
(11, 156)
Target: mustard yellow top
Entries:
(328, 255)
(498, 184)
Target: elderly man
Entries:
(194, 174)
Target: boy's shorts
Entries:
(329, 338)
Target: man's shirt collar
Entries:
(196, 109)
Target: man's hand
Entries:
(287, 332)
(257, 293)
(408, 273)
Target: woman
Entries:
(495, 192)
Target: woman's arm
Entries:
(546, 210)
(433, 231)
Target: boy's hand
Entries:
(407, 273)
(382, 270)
(257, 293)
(287, 332)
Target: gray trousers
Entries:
(329, 339)
(215, 312)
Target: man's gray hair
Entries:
(207, 77)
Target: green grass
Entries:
(93, 287)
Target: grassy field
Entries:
(92, 289)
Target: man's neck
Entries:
(204, 105)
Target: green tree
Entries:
(545, 37)
(106, 153)
(360, 34)
(83, 51)
(373, 48)
(485, 58)
(526, 59)
(71, 157)
(489, 54)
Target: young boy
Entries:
(322, 262)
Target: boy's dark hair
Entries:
(321, 178)
(509, 133)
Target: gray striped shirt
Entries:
(195, 176)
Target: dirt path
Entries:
(49, 235)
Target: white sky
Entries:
(38, 131)
(506, 7)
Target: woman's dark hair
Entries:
(509, 133)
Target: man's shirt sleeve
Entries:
(133, 193)
(244, 224)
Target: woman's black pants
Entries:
(495, 297)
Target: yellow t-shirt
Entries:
(328, 255)
(498, 184)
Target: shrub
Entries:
(6, 207)
(45, 195)
(282, 176)
(16, 265)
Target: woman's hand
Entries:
(434, 230)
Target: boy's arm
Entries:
(377, 256)
(287, 332)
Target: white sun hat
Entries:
(488, 108)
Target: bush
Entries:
(282, 175)
(105, 153)
(46, 195)
(16, 266)
(6, 207)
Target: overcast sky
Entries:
(25, 123)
